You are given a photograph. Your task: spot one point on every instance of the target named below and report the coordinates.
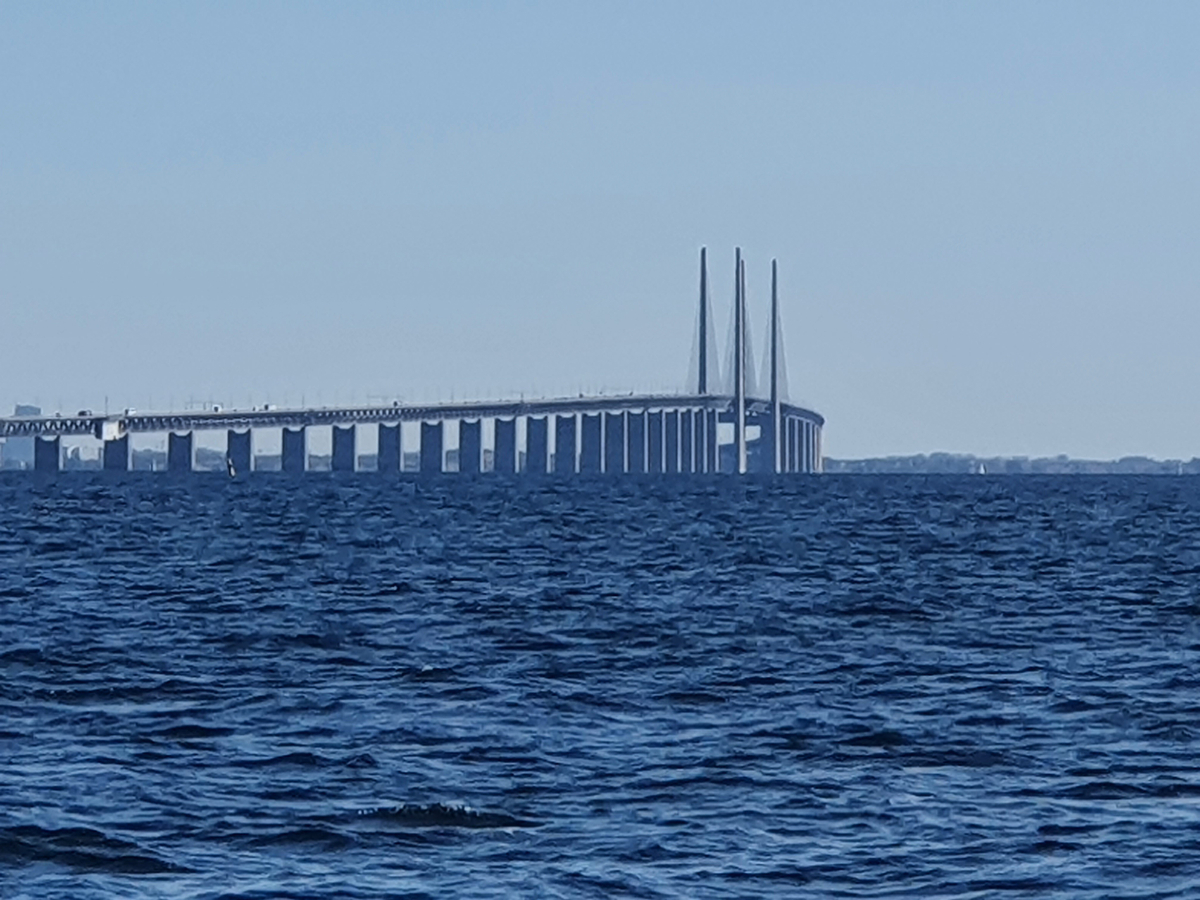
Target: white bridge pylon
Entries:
(740, 382)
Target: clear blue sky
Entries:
(987, 216)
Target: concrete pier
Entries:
(179, 452)
(654, 443)
(697, 421)
(636, 425)
(294, 450)
(591, 446)
(238, 451)
(504, 455)
(388, 457)
(784, 462)
(431, 448)
(671, 440)
(470, 446)
(770, 461)
(614, 443)
(116, 454)
(687, 447)
(711, 453)
(46, 454)
(564, 445)
(537, 445)
(343, 459)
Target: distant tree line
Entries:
(966, 464)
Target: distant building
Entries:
(18, 452)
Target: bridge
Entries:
(717, 427)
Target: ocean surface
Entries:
(370, 687)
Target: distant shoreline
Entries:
(967, 464)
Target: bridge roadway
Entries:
(655, 432)
(99, 425)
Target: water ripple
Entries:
(671, 688)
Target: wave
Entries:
(443, 815)
(82, 849)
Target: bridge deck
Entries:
(49, 426)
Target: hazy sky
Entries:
(987, 216)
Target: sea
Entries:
(364, 686)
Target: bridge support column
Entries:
(387, 457)
(711, 451)
(537, 435)
(687, 446)
(179, 452)
(294, 450)
(654, 442)
(793, 446)
(504, 454)
(785, 444)
(636, 425)
(698, 436)
(431, 448)
(671, 440)
(470, 446)
(46, 454)
(806, 455)
(343, 449)
(614, 443)
(564, 444)
(116, 454)
(238, 451)
(591, 449)
(778, 442)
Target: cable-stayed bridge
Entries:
(723, 424)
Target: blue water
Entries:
(819, 687)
